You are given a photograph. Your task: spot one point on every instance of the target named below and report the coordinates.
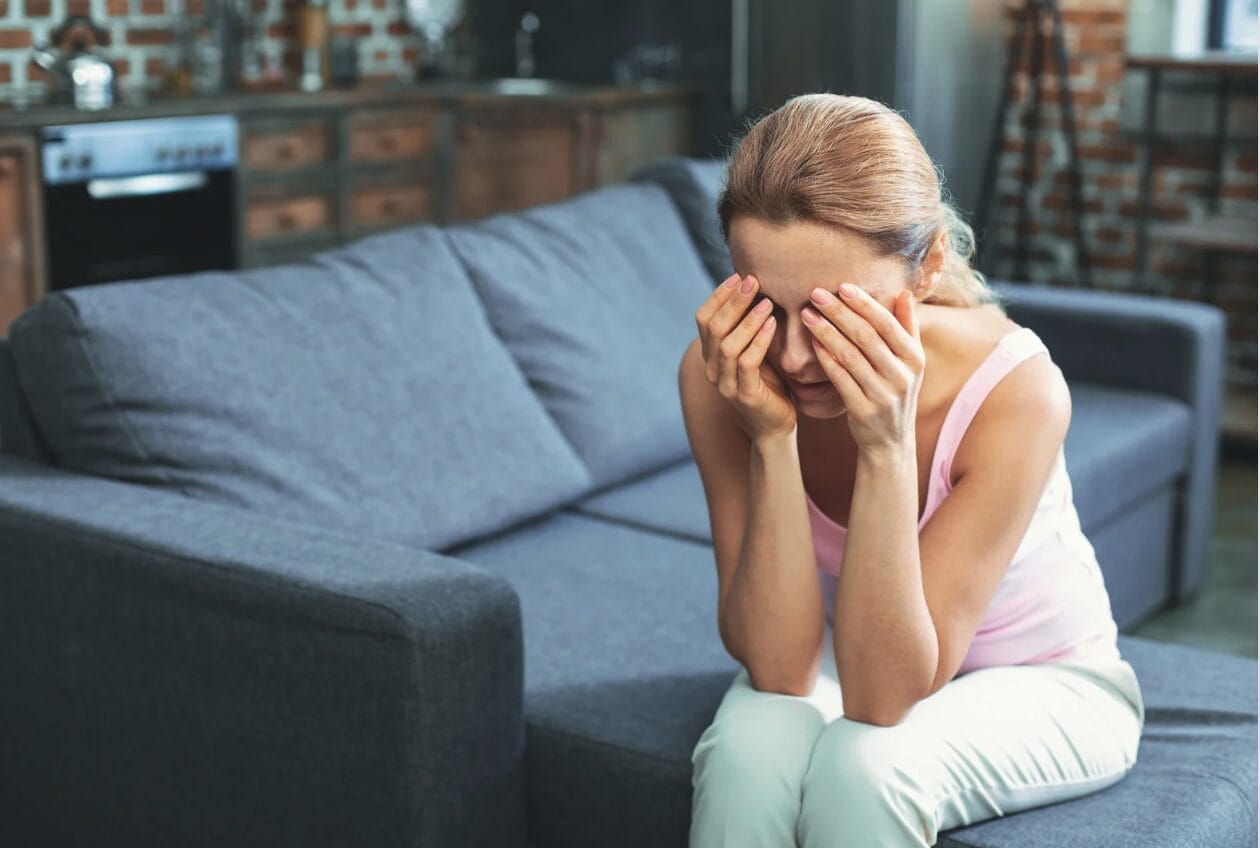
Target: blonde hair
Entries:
(852, 162)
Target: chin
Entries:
(825, 407)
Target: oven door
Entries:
(124, 228)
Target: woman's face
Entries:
(788, 262)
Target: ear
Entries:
(933, 266)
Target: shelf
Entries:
(1238, 414)
(1230, 235)
(1222, 62)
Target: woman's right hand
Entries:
(734, 341)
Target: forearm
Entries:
(885, 643)
(773, 613)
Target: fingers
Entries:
(732, 347)
(900, 341)
(715, 301)
(851, 335)
(719, 315)
(749, 379)
(850, 390)
(834, 349)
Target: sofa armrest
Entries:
(183, 673)
(1172, 347)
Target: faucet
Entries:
(525, 45)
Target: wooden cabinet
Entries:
(22, 280)
(376, 206)
(318, 171)
(392, 135)
(315, 178)
(272, 147)
(267, 218)
(511, 159)
(509, 156)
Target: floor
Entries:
(1222, 615)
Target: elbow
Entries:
(795, 688)
(880, 718)
(881, 713)
(798, 686)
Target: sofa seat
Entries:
(624, 670)
(1121, 446)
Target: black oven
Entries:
(124, 200)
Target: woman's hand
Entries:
(734, 341)
(874, 358)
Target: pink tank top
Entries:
(1051, 604)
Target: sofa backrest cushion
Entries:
(694, 185)
(596, 298)
(360, 389)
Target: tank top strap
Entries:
(1011, 350)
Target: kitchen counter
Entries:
(316, 170)
(446, 92)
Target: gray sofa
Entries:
(402, 545)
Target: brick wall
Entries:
(143, 37)
(1095, 35)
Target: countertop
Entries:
(445, 92)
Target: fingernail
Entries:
(732, 282)
(821, 296)
(747, 286)
(848, 290)
(809, 316)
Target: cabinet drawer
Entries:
(290, 215)
(267, 149)
(391, 136)
(372, 206)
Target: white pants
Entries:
(780, 770)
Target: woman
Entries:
(963, 663)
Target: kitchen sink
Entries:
(528, 86)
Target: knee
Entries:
(861, 788)
(761, 736)
(859, 765)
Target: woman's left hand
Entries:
(874, 357)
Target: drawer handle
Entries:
(286, 150)
(388, 143)
(389, 206)
(286, 220)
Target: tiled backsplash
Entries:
(143, 41)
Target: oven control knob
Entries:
(85, 161)
(163, 153)
(180, 153)
(217, 150)
(65, 161)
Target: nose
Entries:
(796, 350)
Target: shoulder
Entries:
(1025, 417)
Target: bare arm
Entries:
(773, 615)
(770, 615)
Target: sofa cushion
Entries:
(1121, 446)
(595, 297)
(361, 389)
(624, 669)
(694, 185)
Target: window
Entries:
(1232, 25)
